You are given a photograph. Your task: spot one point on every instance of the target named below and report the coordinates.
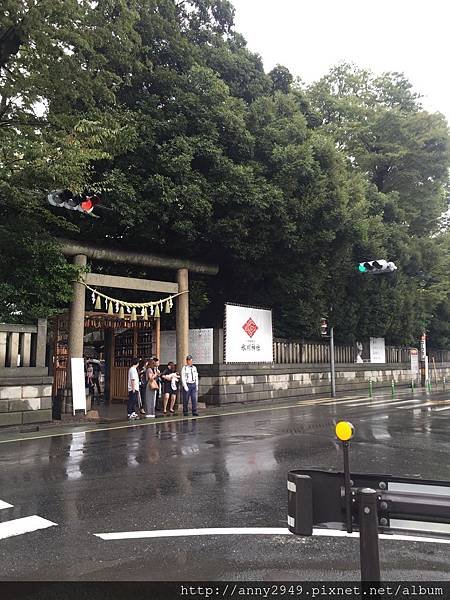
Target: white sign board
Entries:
(248, 334)
(423, 346)
(414, 355)
(377, 350)
(200, 346)
(78, 387)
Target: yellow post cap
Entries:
(344, 431)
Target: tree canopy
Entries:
(199, 153)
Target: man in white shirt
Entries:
(133, 389)
(189, 381)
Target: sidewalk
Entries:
(114, 417)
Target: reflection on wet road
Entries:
(218, 472)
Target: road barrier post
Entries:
(370, 389)
(368, 535)
(393, 389)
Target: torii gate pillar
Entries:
(76, 319)
(182, 317)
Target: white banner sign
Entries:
(200, 346)
(377, 350)
(78, 387)
(248, 334)
(414, 355)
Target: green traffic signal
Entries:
(362, 268)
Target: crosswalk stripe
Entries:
(358, 401)
(384, 403)
(25, 525)
(436, 403)
(5, 505)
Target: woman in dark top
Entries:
(142, 370)
(167, 377)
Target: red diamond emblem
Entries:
(250, 327)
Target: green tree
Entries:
(161, 106)
(54, 92)
(403, 153)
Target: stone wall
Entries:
(25, 400)
(225, 384)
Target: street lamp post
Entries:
(324, 334)
(333, 371)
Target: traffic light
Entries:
(323, 327)
(84, 203)
(376, 267)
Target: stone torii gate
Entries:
(80, 254)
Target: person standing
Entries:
(174, 382)
(166, 377)
(133, 389)
(142, 372)
(189, 381)
(152, 376)
(158, 381)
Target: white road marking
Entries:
(444, 408)
(366, 398)
(24, 525)
(384, 403)
(383, 536)
(436, 403)
(5, 505)
(132, 535)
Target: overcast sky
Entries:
(309, 36)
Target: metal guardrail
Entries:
(370, 504)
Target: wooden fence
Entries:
(23, 345)
(292, 352)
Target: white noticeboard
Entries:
(377, 350)
(78, 387)
(200, 346)
(414, 355)
(248, 334)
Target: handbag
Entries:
(153, 384)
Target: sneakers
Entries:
(195, 414)
(150, 416)
(133, 416)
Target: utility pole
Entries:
(324, 334)
(333, 371)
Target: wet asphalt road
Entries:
(222, 471)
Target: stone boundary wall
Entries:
(27, 402)
(232, 383)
